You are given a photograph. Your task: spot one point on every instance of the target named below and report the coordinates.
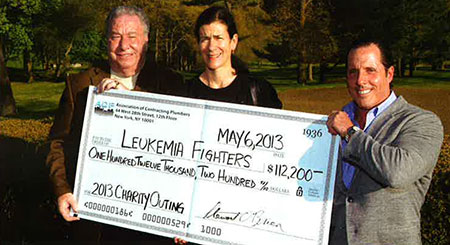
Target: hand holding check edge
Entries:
(65, 202)
(110, 83)
(339, 123)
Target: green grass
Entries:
(40, 99)
(425, 79)
(37, 100)
(285, 78)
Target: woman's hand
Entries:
(110, 83)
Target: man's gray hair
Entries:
(127, 10)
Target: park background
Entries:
(298, 45)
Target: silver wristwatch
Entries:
(351, 131)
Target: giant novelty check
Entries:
(208, 172)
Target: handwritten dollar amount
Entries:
(292, 172)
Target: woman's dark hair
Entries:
(224, 16)
(213, 14)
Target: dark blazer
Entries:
(65, 133)
(394, 161)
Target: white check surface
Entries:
(209, 172)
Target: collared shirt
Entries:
(129, 82)
(351, 108)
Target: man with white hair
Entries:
(127, 31)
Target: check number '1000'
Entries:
(211, 230)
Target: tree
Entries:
(277, 52)
(172, 24)
(404, 32)
(15, 23)
(17, 30)
(437, 34)
(63, 23)
(413, 30)
(90, 46)
(254, 28)
(303, 26)
(7, 102)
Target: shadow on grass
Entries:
(26, 112)
(286, 77)
(423, 79)
(28, 211)
(19, 75)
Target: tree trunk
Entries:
(65, 63)
(403, 70)
(171, 49)
(227, 5)
(7, 102)
(57, 65)
(167, 51)
(301, 73)
(310, 72)
(322, 70)
(399, 67)
(411, 68)
(156, 44)
(28, 66)
(46, 62)
(30, 71)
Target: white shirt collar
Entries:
(129, 82)
(376, 111)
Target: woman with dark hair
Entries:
(226, 78)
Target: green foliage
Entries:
(91, 46)
(16, 24)
(414, 30)
(64, 23)
(281, 31)
(172, 24)
(253, 27)
(304, 29)
(305, 26)
(278, 53)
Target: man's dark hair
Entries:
(213, 14)
(127, 10)
(386, 57)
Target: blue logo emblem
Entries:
(104, 107)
